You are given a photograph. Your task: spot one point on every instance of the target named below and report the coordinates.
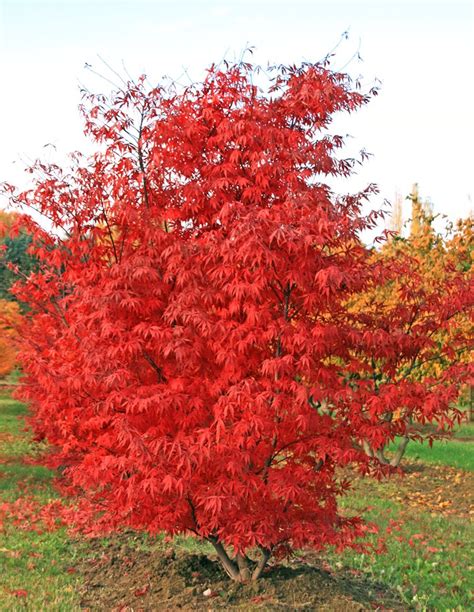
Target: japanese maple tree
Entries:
(423, 308)
(188, 348)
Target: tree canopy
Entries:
(190, 352)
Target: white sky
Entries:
(420, 128)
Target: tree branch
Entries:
(141, 162)
(155, 366)
(244, 569)
(109, 232)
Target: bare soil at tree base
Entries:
(119, 577)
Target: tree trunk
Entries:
(367, 449)
(239, 568)
(395, 462)
(262, 562)
(244, 569)
(380, 454)
(229, 566)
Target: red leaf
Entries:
(142, 591)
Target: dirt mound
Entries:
(121, 578)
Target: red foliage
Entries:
(188, 345)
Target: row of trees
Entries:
(431, 271)
(207, 339)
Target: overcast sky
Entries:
(420, 128)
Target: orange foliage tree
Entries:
(428, 299)
(9, 318)
(14, 259)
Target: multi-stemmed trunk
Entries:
(241, 568)
(379, 453)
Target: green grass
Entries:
(456, 452)
(428, 558)
(35, 568)
(465, 430)
(433, 572)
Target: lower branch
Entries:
(239, 569)
(379, 454)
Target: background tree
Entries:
(14, 252)
(14, 260)
(427, 300)
(9, 321)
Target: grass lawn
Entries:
(429, 556)
(453, 452)
(428, 559)
(458, 451)
(36, 569)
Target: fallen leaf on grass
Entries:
(441, 491)
(142, 591)
(19, 593)
(13, 554)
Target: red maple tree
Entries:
(188, 344)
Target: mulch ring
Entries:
(121, 578)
